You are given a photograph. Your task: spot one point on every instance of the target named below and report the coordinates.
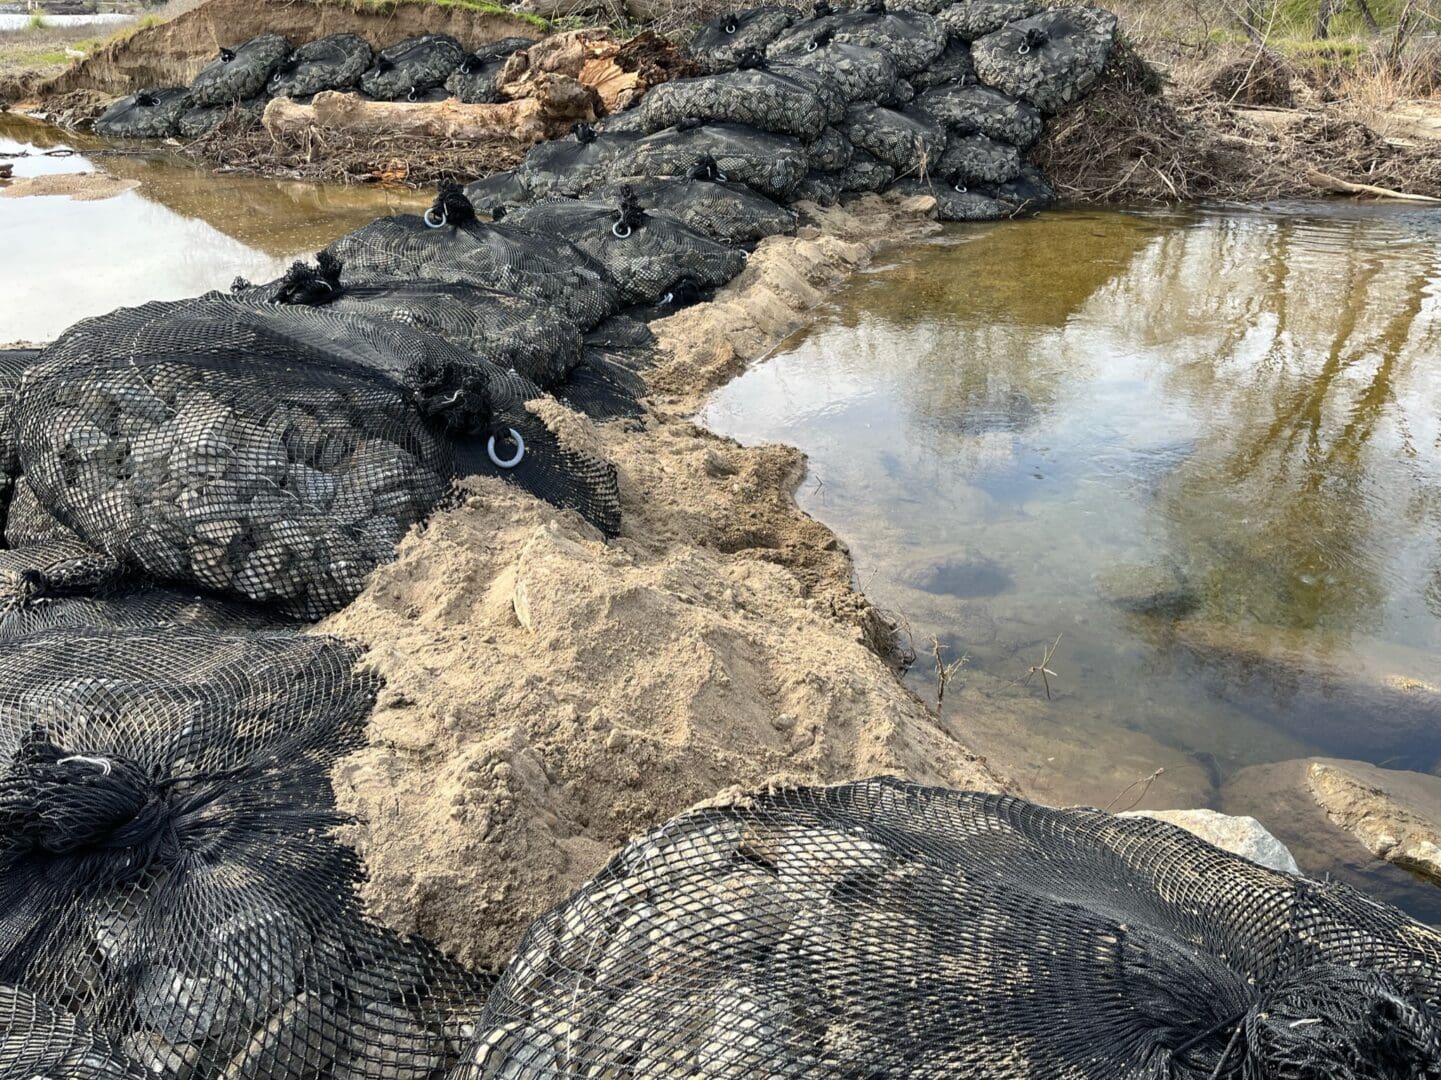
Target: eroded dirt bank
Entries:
(549, 694)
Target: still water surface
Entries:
(1202, 450)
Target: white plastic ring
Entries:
(620, 230)
(1025, 48)
(410, 94)
(430, 218)
(510, 462)
(720, 177)
(730, 28)
(103, 764)
(811, 46)
(960, 187)
(745, 255)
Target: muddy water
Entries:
(1202, 451)
(178, 232)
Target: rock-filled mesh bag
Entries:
(168, 870)
(240, 73)
(885, 929)
(330, 63)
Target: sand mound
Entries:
(549, 694)
(83, 187)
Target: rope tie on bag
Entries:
(1034, 39)
(629, 215)
(227, 55)
(311, 286)
(750, 60)
(707, 169)
(584, 133)
(451, 207)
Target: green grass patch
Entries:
(484, 7)
(36, 21)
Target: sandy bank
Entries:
(548, 694)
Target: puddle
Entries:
(1202, 450)
(178, 232)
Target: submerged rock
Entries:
(1156, 589)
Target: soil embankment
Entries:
(548, 694)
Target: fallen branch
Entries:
(1335, 185)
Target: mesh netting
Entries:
(201, 443)
(1050, 60)
(861, 73)
(409, 68)
(881, 929)
(830, 152)
(575, 165)
(240, 73)
(952, 66)
(969, 20)
(724, 211)
(771, 164)
(13, 363)
(866, 173)
(785, 99)
(1028, 192)
(464, 251)
(909, 141)
(982, 110)
(150, 114)
(37, 1041)
(28, 523)
(170, 876)
(726, 37)
(477, 79)
(976, 159)
(646, 255)
(911, 39)
(902, 93)
(627, 120)
(821, 188)
(47, 569)
(330, 63)
(128, 603)
(500, 191)
(957, 201)
(603, 389)
(196, 122)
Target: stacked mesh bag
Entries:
(173, 902)
(882, 929)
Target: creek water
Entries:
(19, 21)
(1195, 459)
(178, 232)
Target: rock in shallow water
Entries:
(1243, 836)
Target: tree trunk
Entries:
(1364, 7)
(1325, 12)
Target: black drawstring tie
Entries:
(311, 286)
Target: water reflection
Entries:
(1205, 449)
(180, 232)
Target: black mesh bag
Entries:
(150, 114)
(1027, 193)
(771, 164)
(500, 192)
(627, 342)
(726, 37)
(449, 244)
(707, 202)
(37, 1041)
(196, 122)
(574, 165)
(409, 68)
(1050, 60)
(983, 110)
(830, 152)
(604, 387)
(866, 173)
(881, 929)
(952, 66)
(821, 188)
(477, 79)
(909, 141)
(37, 573)
(200, 443)
(330, 63)
(170, 876)
(970, 20)
(129, 603)
(861, 72)
(911, 39)
(645, 254)
(630, 119)
(977, 159)
(784, 99)
(240, 73)
(902, 93)
(28, 523)
(956, 201)
(13, 363)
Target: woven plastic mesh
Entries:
(28, 523)
(646, 255)
(476, 81)
(724, 211)
(1029, 192)
(911, 39)
(952, 66)
(821, 188)
(784, 99)
(409, 68)
(861, 73)
(909, 141)
(727, 36)
(240, 73)
(134, 604)
(196, 122)
(574, 165)
(976, 159)
(496, 256)
(630, 119)
(202, 445)
(771, 164)
(883, 929)
(958, 201)
(37, 573)
(968, 20)
(902, 93)
(501, 191)
(829, 152)
(13, 363)
(866, 173)
(984, 111)
(170, 873)
(39, 1041)
(150, 114)
(604, 388)
(1051, 59)
(330, 63)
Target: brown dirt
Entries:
(549, 694)
(82, 187)
(172, 53)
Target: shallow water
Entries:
(180, 232)
(1202, 450)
